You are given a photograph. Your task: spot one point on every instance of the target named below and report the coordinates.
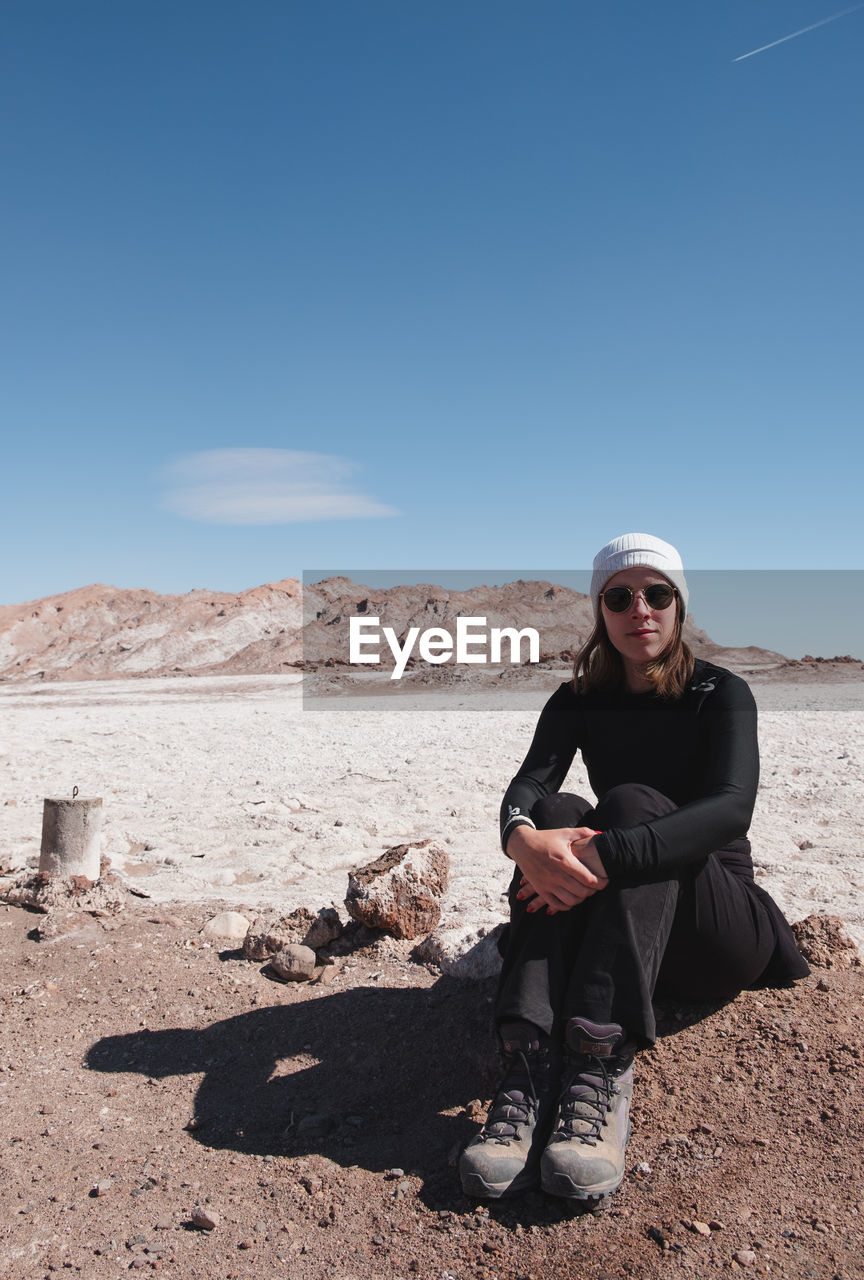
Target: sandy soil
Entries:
(146, 1073)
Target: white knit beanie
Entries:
(638, 549)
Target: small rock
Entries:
(100, 1189)
(744, 1257)
(325, 973)
(255, 943)
(824, 942)
(700, 1228)
(392, 1174)
(228, 924)
(294, 963)
(314, 1122)
(325, 929)
(205, 1219)
(269, 934)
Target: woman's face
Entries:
(640, 634)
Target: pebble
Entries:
(315, 1122)
(100, 1189)
(700, 1228)
(205, 1219)
(744, 1257)
(294, 963)
(326, 972)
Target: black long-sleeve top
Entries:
(699, 750)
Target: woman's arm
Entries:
(545, 766)
(554, 874)
(720, 814)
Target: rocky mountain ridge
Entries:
(104, 632)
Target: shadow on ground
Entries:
(361, 1076)
(364, 1077)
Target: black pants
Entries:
(700, 936)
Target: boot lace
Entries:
(586, 1100)
(515, 1102)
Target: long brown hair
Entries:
(598, 666)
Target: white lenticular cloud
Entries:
(266, 486)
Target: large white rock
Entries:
(228, 924)
(463, 952)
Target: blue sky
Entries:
(404, 284)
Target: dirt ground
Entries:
(146, 1074)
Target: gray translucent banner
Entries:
(478, 632)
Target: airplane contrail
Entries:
(802, 32)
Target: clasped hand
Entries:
(560, 868)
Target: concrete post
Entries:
(71, 831)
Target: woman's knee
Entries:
(632, 802)
(561, 809)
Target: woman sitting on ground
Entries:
(650, 888)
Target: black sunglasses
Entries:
(659, 595)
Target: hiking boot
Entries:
(585, 1156)
(504, 1158)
